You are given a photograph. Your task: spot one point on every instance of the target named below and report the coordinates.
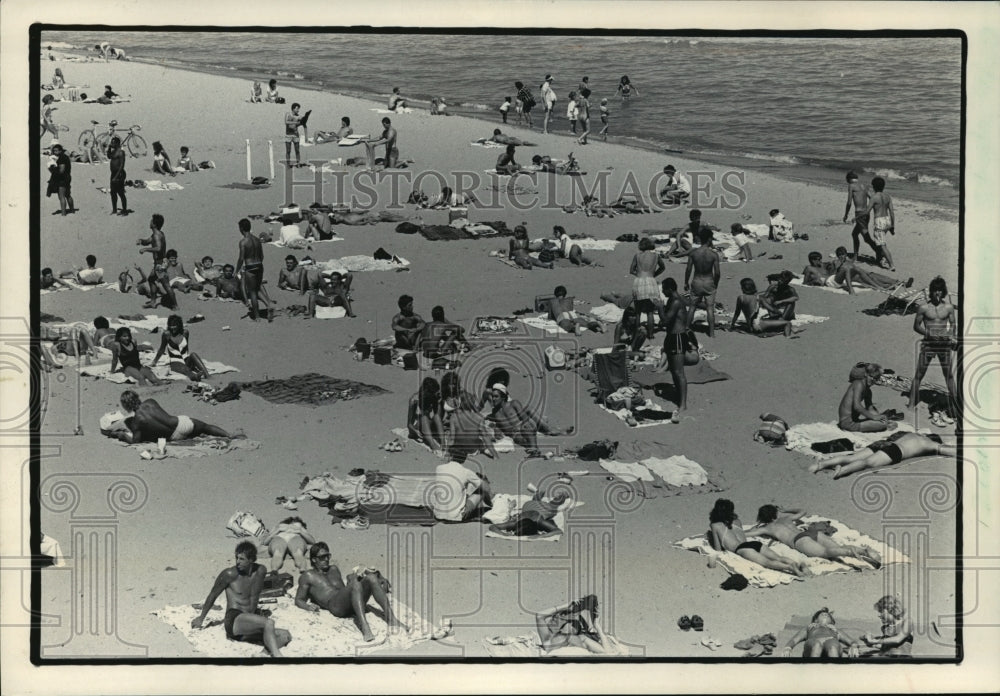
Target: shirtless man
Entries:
(208, 270)
(252, 261)
(407, 325)
(323, 587)
(935, 322)
(843, 273)
(892, 450)
(156, 244)
(515, 421)
(727, 535)
(678, 345)
(388, 139)
(292, 275)
(499, 137)
(857, 195)
(702, 275)
(884, 222)
(229, 286)
(813, 541)
(319, 224)
(149, 422)
(396, 100)
(292, 122)
(243, 584)
(48, 281)
(86, 275)
(506, 163)
(857, 413)
(561, 311)
(334, 289)
(177, 276)
(442, 337)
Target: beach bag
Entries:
(363, 348)
(275, 584)
(772, 430)
(598, 449)
(260, 181)
(410, 361)
(246, 524)
(382, 356)
(407, 228)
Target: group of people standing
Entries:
(578, 110)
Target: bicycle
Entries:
(133, 142)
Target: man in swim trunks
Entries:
(442, 338)
(177, 276)
(290, 277)
(323, 587)
(726, 534)
(892, 450)
(702, 275)
(857, 413)
(857, 195)
(822, 638)
(149, 422)
(884, 223)
(936, 323)
(396, 100)
(86, 275)
(252, 261)
(561, 311)
(678, 344)
(334, 289)
(388, 138)
(229, 286)
(156, 244)
(499, 137)
(843, 274)
(407, 325)
(292, 122)
(243, 584)
(813, 541)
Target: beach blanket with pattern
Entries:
(759, 576)
(661, 476)
(310, 389)
(802, 436)
(314, 634)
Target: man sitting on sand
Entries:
(463, 493)
(843, 273)
(407, 325)
(468, 432)
(207, 271)
(536, 516)
(335, 136)
(86, 275)
(813, 541)
(515, 421)
(677, 188)
(561, 311)
(178, 277)
(334, 290)
(442, 338)
(857, 413)
(291, 276)
(243, 584)
(323, 587)
(149, 422)
(229, 286)
(727, 535)
(506, 163)
(892, 450)
(502, 139)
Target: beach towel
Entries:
(330, 312)
(399, 110)
(198, 447)
(594, 244)
(314, 634)
(542, 321)
(495, 325)
(73, 285)
(608, 313)
(503, 445)
(507, 506)
(759, 576)
(361, 263)
(857, 287)
(656, 477)
(142, 322)
(310, 389)
(308, 242)
(527, 645)
(702, 373)
(489, 144)
(647, 414)
(103, 370)
(157, 185)
(802, 436)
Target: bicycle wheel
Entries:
(103, 141)
(136, 145)
(86, 140)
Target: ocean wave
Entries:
(59, 44)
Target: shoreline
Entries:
(942, 197)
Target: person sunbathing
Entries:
(537, 516)
(335, 136)
(748, 305)
(502, 139)
(423, 416)
(86, 275)
(323, 587)
(726, 534)
(857, 412)
(48, 281)
(446, 199)
(124, 351)
(822, 638)
(779, 298)
(149, 422)
(228, 286)
(242, 584)
(334, 289)
(442, 338)
(207, 271)
(320, 226)
(82, 342)
(506, 163)
(544, 163)
(845, 273)
(518, 251)
(813, 541)
(572, 625)
(289, 538)
(467, 431)
(175, 343)
(178, 277)
(515, 421)
(892, 450)
(256, 93)
(292, 275)
(562, 247)
(561, 311)
(897, 630)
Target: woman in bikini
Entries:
(175, 343)
(748, 304)
(423, 416)
(125, 351)
(726, 534)
(822, 638)
(572, 625)
(625, 88)
(518, 251)
(161, 160)
(646, 265)
(289, 538)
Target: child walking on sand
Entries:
(605, 115)
(505, 108)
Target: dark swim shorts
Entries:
(228, 622)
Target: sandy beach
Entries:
(171, 548)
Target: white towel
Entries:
(527, 645)
(543, 322)
(608, 313)
(595, 244)
(857, 287)
(330, 312)
(506, 506)
(361, 263)
(161, 372)
(650, 405)
(677, 470)
(800, 437)
(157, 185)
(492, 144)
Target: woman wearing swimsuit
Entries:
(125, 351)
(625, 88)
(572, 625)
(897, 630)
(175, 343)
(726, 534)
(518, 250)
(822, 638)
(748, 304)
(646, 265)
(161, 160)
(423, 416)
(289, 538)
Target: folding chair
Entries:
(609, 373)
